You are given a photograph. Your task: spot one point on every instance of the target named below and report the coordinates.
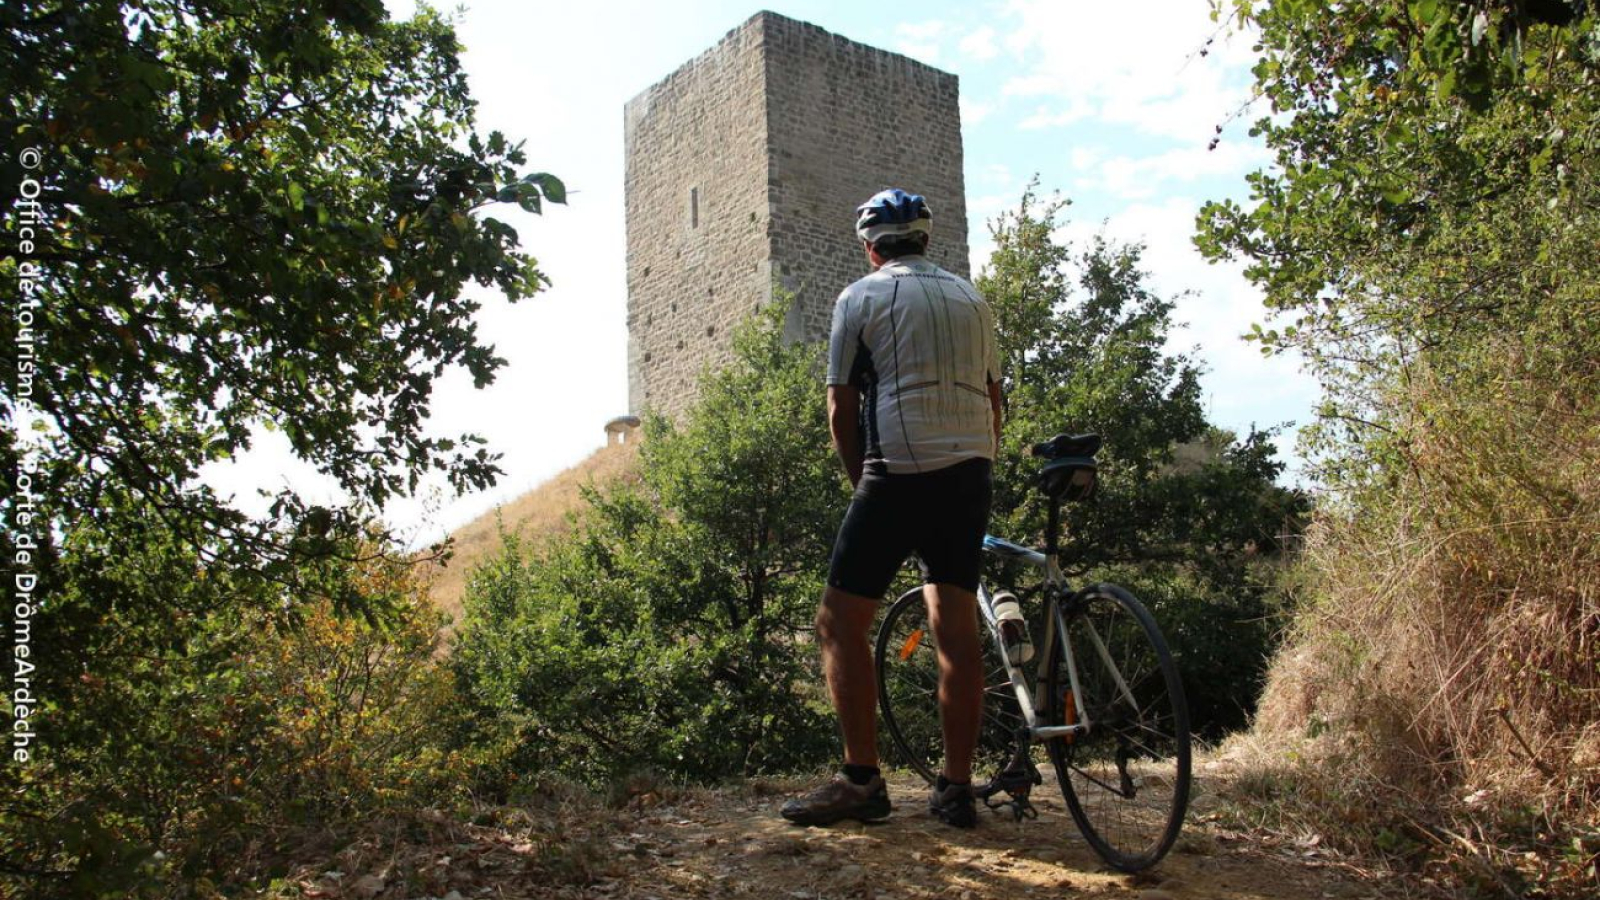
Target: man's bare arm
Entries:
(844, 423)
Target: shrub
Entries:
(1456, 602)
(191, 748)
(670, 630)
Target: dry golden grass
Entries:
(1441, 685)
(1456, 619)
(544, 510)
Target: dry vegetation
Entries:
(1438, 695)
(546, 509)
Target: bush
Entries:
(190, 748)
(670, 630)
(1440, 681)
(1427, 240)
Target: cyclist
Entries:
(914, 410)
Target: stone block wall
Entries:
(696, 198)
(745, 166)
(845, 121)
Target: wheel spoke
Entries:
(1126, 778)
(1096, 781)
(909, 694)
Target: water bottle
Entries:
(1013, 630)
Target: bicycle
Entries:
(1104, 697)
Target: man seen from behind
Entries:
(914, 410)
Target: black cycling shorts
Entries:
(941, 516)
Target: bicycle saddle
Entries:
(1070, 473)
(1062, 445)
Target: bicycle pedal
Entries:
(1019, 806)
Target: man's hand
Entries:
(844, 423)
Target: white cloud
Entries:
(987, 206)
(928, 53)
(1017, 43)
(1131, 64)
(998, 174)
(919, 40)
(980, 44)
(973, 112)
(1029, 85)
(983, 208)
(1044, 117)
(920, 31)
(1086, 157)
(1133, 178)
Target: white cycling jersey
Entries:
(919, 343)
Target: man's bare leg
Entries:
(953, 616)
(843, 621)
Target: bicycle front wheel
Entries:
(907, 657)
(1126, 778)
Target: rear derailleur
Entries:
(1016, 781)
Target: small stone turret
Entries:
(622, 430)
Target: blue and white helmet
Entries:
(891, 212)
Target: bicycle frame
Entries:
(1096, 643)
(1054, 588)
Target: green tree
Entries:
(670, 630)
(252, 215)
(249, 216)
(1425, 241)
(1434, 190)
(171, 746)
(1187, 515)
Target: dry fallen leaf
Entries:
(367, 886)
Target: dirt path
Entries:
(722, 846)
(731, 844)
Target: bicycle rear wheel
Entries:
(907, 658)
(1125, 779)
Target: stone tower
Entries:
(744, 168)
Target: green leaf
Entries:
(1396, 195)
(551, 186)
(528, 198)
(1446, 85)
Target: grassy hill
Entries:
(540, 511)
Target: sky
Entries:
(1113, 105)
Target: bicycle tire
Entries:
(1129, 812)
(907, 664)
